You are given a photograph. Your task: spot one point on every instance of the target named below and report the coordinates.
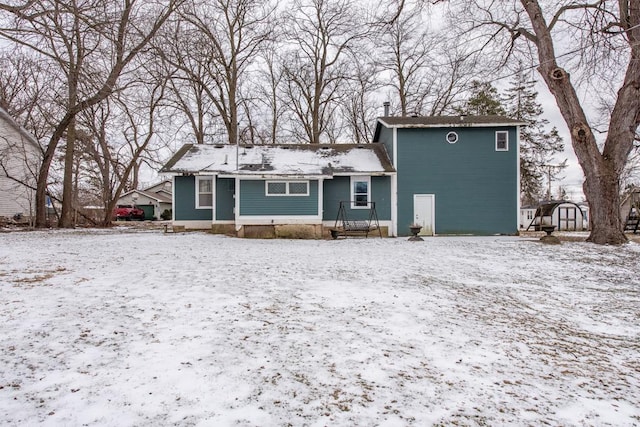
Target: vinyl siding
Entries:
(185, 201)
(339, 189)
(475, 185)
(225, 202)
(20, 159)
(254, 201)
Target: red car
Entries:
(128, 213)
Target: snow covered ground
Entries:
(140, 328)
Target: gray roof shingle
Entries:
(448, 121)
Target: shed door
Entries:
(424, 213)
(567, 220)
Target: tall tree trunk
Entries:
(43, 174)
(135, 171)
(122, 58)
(602, 170)
(602, 191)
(66, 215)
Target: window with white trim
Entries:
(502, 141)
(287, 188)
(360, 192)
(204, 192)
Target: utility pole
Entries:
(551, 171)
(549, 167)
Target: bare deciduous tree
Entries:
(429, 70)
(404, 53)
(361, 106)
(91, 44)
(600, 28)
(191, 79)
(224, 39)
(116, 135)
(268, 99)
(321, 34)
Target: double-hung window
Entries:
(502, 141)
(360, 192)
(204, 192)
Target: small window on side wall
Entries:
(360, 192)
(204, 192)
(502, 141)
(452, 137)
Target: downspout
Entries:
(214, 205)
(321, 203)
(394, 185)
(173, 200)
(518, 181)
(237, 186)
(237, 204)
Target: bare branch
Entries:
(562, 10)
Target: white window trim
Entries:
(203, 178)
(355, 179)
(454, 138)
(507, 140)
(286, 193)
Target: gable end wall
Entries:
(475, 186)
(21, 159)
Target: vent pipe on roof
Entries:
(386, 105)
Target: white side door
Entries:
(424, 206)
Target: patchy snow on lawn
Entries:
(133, 328)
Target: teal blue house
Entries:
(450, 175)
(279, 190)
(455, 175)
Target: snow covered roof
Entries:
(162, 186)
(447, 121)
(158, 197)
(281, 160)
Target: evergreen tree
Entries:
(537, 145)
(484, 101)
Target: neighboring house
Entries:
(162, 189)
(527, 213)
(278, 190)
(630, 201)
(456, 175)
(452, 175)
(153, 200)
(565, 215)
(19, 162)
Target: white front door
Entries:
(424, 213)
